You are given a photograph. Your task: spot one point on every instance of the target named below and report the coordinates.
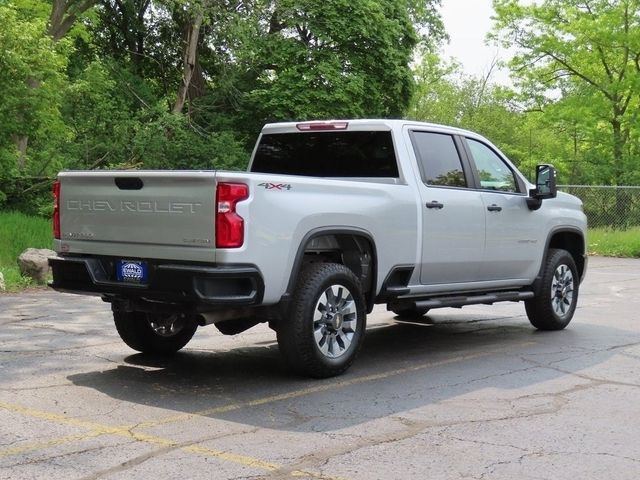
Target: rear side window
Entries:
(439, 159)
(327, 154)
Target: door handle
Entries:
(435, 204)
(494, 208)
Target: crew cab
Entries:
(331, 218)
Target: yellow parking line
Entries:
(97, 429)
(54, 442)
(60, 419)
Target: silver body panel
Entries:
(464, 248)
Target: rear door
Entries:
(453, 215)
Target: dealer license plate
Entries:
(131, 271)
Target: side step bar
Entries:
(487, 299)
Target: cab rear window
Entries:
(327, 154)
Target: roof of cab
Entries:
(360, 125)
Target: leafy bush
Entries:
(171, 142)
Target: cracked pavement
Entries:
(472, 393)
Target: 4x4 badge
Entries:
(275, 186)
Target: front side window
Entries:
(438, 155)
(494, 173)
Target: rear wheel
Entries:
(555, 303)
(325, 327)
(157, 333)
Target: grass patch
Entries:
(17, 233)
(614, 243)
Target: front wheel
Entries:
(325, 326)
(156, 333)
(555, 303)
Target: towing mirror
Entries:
(545, 186)
(545, 182)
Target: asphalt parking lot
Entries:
(472, 393)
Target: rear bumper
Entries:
(193, 284)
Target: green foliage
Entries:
(444, 94)
(171, 142)
(587, 51)
(571, 130)
(100, 118)
(31, 80)
(321, 62)
(17, 233)
(94, 88)
(30, 195)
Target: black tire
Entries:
(162, 334)
(555, 302)
(328, 345)
(410, 313)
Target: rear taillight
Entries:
(56, 209)
(229, 225)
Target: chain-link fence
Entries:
(613, 207)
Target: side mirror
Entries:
(545, 186)
(545, 182)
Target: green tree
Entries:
(585, 47)
(560, 133)
(101, 119)
(27, 58)
(188, 83)
(169, 141)
(438, 95)
(317, 59)
(444, 94)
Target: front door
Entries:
(514, 237)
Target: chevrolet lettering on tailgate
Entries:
(146, 206)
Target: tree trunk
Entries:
(188, 60)
(21, 141)
(64, 14)
(618, 150)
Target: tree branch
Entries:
(64, 14)
(581, 75)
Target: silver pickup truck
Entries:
(331, 218)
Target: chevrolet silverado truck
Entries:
(330, 219)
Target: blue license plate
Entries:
(131, 271)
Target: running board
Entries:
(487, 299)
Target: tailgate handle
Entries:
(129, 183)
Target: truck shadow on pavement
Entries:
(401, 367)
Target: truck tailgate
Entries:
(139, 208)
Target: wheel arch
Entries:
(351, 247)
(573, 241)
